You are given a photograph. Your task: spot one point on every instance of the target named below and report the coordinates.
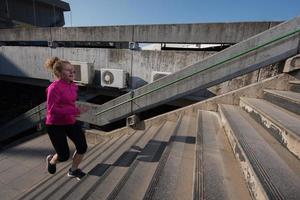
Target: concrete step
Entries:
(285, 99)
(109, 182)
(282, 124)
(143, 170)
(174, 177)
(110, 190)
(267, 174)
(47, 187)
(23, 165)
(218, 174)
(295, 85)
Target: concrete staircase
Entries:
(155, 163)
(245, 151)
(265, 137)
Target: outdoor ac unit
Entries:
(155, 75)
(84, 72)
(116, 78)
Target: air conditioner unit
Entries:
(155, 75)
(116, 78)
(84, 72)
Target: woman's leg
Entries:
(54, 159)
(57, 135)
(76, 134)
(77, 158)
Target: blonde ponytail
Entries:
(50, 62)
(56, 65)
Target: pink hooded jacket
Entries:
(61, 107)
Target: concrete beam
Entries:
(174, 33)
(278, 51)
(200, 33)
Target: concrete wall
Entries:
(173, 33)
(28, 62)
(24, 62)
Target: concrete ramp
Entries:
(271, 46)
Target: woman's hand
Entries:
(82, 109)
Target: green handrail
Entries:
(199, 71)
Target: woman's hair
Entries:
(56, 65)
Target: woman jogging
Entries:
(61, 118)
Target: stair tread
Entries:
(108, 185)
(217, 160)
(176, 177)
(283, 117)
(146, 164)
(293, 96)
(262, 156)
(284, 153)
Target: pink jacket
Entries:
(61, 107)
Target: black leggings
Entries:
(58, 135)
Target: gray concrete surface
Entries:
(215, 159)
(266, 173)
(23, 166)
(172, 33)
(282, 124)
(139, 64)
